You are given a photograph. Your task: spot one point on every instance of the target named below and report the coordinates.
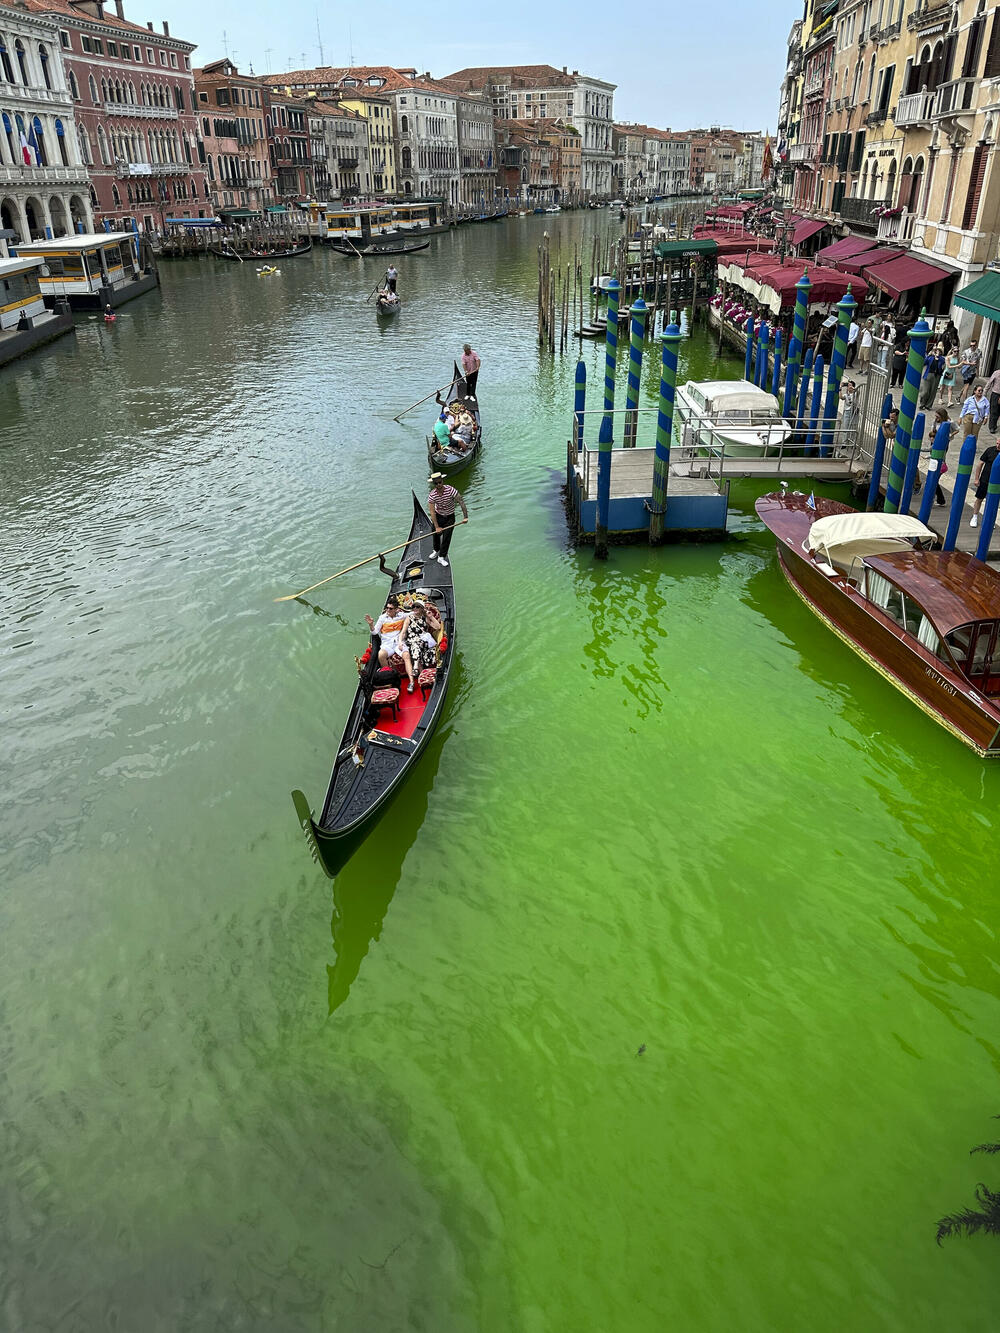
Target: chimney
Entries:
(149, 25)
(166, 28)
(575, 73)
(120, 9)
(564, 69)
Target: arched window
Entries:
(74, 87)
(407, 162)
(890, 185)
(404, 124)
(116, 196)
(5, 65)
(102, 144)
(84, 140)
(22, 60)
(61, 141)
(104, 90)
(864, 181)
(93, 92)
(871, 79)
(8, 133)
(43, 56)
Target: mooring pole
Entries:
(579, 404)
(817, 395)
(606, 436)
(939, 448)
(776, 377)
(912, 462)
(878, 456)
(845, 313)
(918, 335)
(989, 511)
(749, 357)
(796, 343)
(637, 337)
(964, 471)
(804, 380)
(760, 371)
(670, 341)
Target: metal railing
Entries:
(853, 209)
(140, 109)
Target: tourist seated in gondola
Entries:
(420, 640)
(464, 431)
(442, 430)
(391, 627)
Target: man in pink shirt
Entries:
(470, 369)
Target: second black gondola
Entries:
(453, 459)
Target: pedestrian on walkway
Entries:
(992, 390)
(899, 355)
(969, 366)
(983, 481)
(950, 377)
(940, 417)
(933, 370)
(975, 410)
(866, 345)
(852, 343)
(849, 405)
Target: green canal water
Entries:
(665, 809)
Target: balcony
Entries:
(804, 154)
(897, 227)
(18, 92)
(815, 84)
(860, 211)
(876, 117)
(928, 16)
(138, 109)
(44, 175)
(347, 163)
(914, 109)
(955, 99)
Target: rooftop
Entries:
(92, 11)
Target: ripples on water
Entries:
(666, 808)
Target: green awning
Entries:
(982, 297)
(239, 213)
(701, 245)
(276, 208)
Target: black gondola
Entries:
(383, 305)
(302, 247)
(364, 251)
(379, 748)
(453, 460)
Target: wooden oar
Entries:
(411, 541)
(426, 396)
(372, 292)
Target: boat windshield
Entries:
(976, 650)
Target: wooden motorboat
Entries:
(384, 304)
(381, 743)
(733, 415)
(301, 247)
(363, 251)
(454, 459)
(928, 621)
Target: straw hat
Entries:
(436, 476)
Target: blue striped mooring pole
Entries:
(939, 448)
(962, 474)
(606, 436)
(918, 335)
(878, 456)
(579, 404)
(763, 334)
(803, 407)
(637, 339)
(912, 462)
(816, 398)
(845, 313)
(670, 341)
(797, 342)
(749, 359)
(990, 511)
(776, 376)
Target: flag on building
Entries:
(782, 148)
(767, 164)
(34, 146)
(27, 152)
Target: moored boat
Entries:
(928, 621)
(733, 415)
(301, 247)
(453, 459)
(384, 736)
(347, 247)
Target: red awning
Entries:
(845, 249)
(905, 274)
(828, 284)
(880, 255)
(805, 228)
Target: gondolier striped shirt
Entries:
(444, 499)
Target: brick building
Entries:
(232, 119)
(136, 113)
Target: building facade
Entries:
(44, 188)
(477, 150)
(290, 147)
(348, 165)
(232, 114)
(528, 92)
(136, 112)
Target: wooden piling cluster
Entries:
(560, 294)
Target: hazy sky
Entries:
(670, 71)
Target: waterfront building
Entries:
(136, 111)
(527, 92)
(477, 150)
(345, 133)
(44, 189)
(653, 162)
(290, 147)
(25, 322)
(543, 165)
(891, 115)
(514, 153)
(232, 110)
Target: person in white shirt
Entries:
(975, 410)
(866, 345)
(390, 277)
(852, 342)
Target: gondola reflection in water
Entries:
(384, 735)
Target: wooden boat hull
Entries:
(366, 251)
(387, 308)
(249, 255)
(358, 796)
(937, 690)
(450, 461)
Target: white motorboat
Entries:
(730, 415)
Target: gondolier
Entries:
(390, 277)
(470, 369)
(441, 503)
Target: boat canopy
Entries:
(844, 538)
(735, 395)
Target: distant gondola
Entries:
(362, 251)
(452, 459)
(303, 246)
(384, 738)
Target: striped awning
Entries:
(982, 297)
